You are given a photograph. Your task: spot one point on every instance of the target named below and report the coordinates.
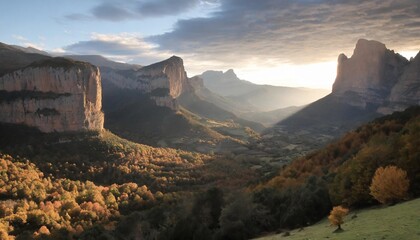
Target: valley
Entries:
(96, 149)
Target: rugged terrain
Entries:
(160, 106)
(373, 82)
(53, 94)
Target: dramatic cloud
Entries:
(296, 31)
(122, 47)
(259, 36)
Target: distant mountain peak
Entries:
(230, 71)
(230, 75)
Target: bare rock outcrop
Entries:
(164, 81)
(54, 95)
(368, 77)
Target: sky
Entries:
(278, 42)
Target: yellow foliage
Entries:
(389, 184)
(337, 215)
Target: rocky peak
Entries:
(366, 47)
(164, 81)
(230, 75)
(169, 73)
(368, 76)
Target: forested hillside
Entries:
(341, 173)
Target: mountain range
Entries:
(67, 173)
(160, 106)
(217, 109)
(258, 98)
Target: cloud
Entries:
(138, 9)
(270, 32)
(111, 11)
(125, 47)
(165, 7)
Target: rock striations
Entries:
(54, 95)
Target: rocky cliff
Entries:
(376, 77)
(369, 75)
(56, 94)
(164, 81)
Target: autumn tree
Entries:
(389, 184)
(337, 215)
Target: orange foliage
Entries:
(389, 184)
(337, 215)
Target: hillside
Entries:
(304, 191)
(100, 157)
(396, 222)
(89, 185)
(134, 116)
(12, 58)
(160, 106)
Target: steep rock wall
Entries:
(165, 81)
(53, 95)
(369, 75)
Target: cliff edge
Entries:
(53, 95)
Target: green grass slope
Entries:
(400, 221)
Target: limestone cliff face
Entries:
(378, 78)
(369, 75)
(53, 95)
(165, 81)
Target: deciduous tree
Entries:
(337, 215)
(389, 184)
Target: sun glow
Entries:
(316, 75)
(408, 54)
